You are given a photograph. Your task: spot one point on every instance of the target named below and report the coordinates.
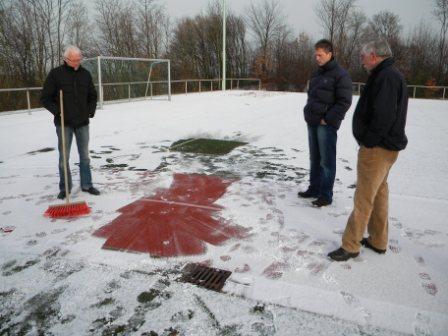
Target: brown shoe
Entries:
(342, 255)
(365, 242)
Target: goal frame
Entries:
(153, 61)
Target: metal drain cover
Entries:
(208, 277)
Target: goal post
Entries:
(127, 78)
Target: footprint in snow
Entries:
(353, 301)
(397, 225)
(428, 285)
(394, 247)
(316, 268)
(420, 260)
(242, 269)
(349, 299)
(430, 288)
(275, 270)
(422, 325)
(56, 231)
(347, 267)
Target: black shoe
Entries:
(62, 194)
(92, 191)
(365, 242)
(342, 255)
(320, 202)
(307, 194)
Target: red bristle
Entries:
(67, 210)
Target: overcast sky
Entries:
(300, 13)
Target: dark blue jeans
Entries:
(322, 141)
(82, 142)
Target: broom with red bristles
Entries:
(67, 209)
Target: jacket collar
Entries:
(330, 65)
(383, 64)
(69, 68)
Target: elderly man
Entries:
(329, 98)
(379, 128)
(79, 98)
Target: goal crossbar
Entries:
(153, 62)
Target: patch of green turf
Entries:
(206, 146)
(8, 270)
(105, 302)
(145, 297)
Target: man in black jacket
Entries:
(329, 98)
(379, 127)
(79, 96)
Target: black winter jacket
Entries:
(329, 95)
(380, 116)
(79, 95)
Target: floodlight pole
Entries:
(169, 80)
(223, 86)
(100, 83)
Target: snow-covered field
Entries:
(56, 279)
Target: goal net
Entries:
(123, 78)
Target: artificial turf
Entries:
(206, 146)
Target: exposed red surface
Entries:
(7, 229)
(175, 221)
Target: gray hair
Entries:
(378, 47)
(71, 49)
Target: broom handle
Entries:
(64, 153)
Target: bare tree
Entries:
(333, 15)
(32, 36)
(283, 55)
(237, 52)
(441, 14)
(153, 28)
(348, 55)
(421, 64)
(117, 31)
(343, 25)
(17, 42)
(51, 15)
(79, 29)
(267, 25)
(303, 63)
(386, 25)
(196, 46)
(2, 46)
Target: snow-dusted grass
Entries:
(56, 278)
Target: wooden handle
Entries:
(64, 152)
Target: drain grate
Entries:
(208, 277)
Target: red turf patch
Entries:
(175, 221)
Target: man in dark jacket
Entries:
(329, 98)
(79, 96)
(379, 127)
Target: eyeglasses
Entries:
(78, 60)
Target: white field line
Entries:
(183, 204)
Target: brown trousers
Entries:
(371, 200)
